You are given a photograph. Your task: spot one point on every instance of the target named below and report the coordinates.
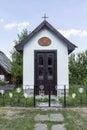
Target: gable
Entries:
(45, 24)
(54, 42)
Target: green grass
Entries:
(74, 119)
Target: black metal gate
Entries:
(49, 100)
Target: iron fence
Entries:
(76, 96)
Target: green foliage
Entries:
(2, 83)
(45, 99)
(17, 99)
(85, 81)
(72, 69)
(17, 66)
(17, 58)
(78, 68)
(79, 100)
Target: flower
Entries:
(13, 80)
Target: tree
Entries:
(78, 68)
(17, 58)
(72, 69)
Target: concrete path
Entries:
(56, 117)
(40, 119)
(58, 127)
(40, 126)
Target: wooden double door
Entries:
(45, 72)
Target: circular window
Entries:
(44, 41)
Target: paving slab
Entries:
(56, 117)
(40, 126)
(58, 127)
(41, 118)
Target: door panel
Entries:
(45, 71)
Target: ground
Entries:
(24, 118)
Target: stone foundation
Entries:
(60, 92)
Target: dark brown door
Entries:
(46, 71)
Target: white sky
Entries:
(68, 16)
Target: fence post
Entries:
(34, 96)
(3, 101)
(49, 94)
(64, 95)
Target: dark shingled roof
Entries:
(45, 24)
(5, 63)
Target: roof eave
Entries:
(70, 45)
(18, 48)
(71, 49)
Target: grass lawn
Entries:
(23, 119)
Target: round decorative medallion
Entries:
(44, 41)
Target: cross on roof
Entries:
(45, 17)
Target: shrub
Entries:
(2, 83)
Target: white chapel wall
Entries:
(62, 58)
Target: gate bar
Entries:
(64, 95)
(49, 95)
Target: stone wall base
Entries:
(60, 92)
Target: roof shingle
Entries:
(5, 63)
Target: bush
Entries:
(80, 99)
(43, 99)
(2, 83)
(17, 99)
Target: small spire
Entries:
(45, 17)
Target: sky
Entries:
(69, 17)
